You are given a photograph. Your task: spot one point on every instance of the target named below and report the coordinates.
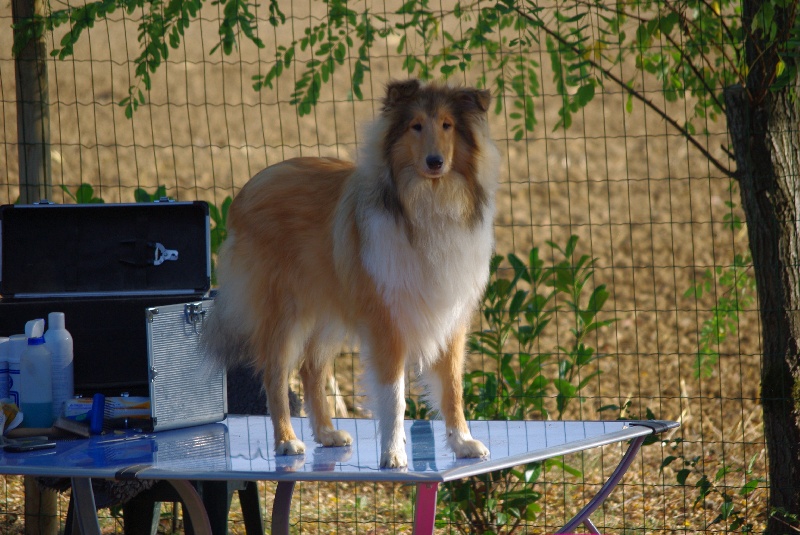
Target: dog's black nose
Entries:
(434, 162)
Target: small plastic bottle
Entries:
(59, 342)
(35, 377)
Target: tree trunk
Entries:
(33, 109)
(764, 132)
(766, 142)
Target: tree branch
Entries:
(720, 48)
(635, 94)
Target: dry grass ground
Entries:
(643, 203)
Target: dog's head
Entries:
(431, 127)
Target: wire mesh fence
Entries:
(659, 221)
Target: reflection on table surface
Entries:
(241, 447)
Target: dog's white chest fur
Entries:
(431, 285)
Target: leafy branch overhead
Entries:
(161, 27)
(692, 48)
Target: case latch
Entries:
(163, 254)
(194, 314)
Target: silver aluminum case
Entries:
(186, 389)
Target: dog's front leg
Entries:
(390, 407)
(446, 388)
(386, 375)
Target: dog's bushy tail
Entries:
(222, 337)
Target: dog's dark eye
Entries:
(447, 126)
(417, 127)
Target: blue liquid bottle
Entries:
(36, 380)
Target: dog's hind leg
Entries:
(446, 388)
(278, 361)
(314, 372)
(277, 386)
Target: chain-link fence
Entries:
(678, 336)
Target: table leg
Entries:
(425, 512)
(281, 507)
(193, 504)
(590, 527)
(583, 516)
(85, 512)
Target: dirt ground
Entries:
(644, 203)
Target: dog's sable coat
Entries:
(394, 250)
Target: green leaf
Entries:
(682, 475)
(725, 510)
(597, 299)
(532, 472)
(667, 461)
(565, 388)
(750, 486)
(722, 472)
(520, 269)
(585, 94)
(516, 303)
(141, 196)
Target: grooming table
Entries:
(241, 448)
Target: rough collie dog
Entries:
(394, 250)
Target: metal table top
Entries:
(241, 448)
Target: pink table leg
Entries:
(425, 513)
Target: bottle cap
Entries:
(34, 330)
(55, 320)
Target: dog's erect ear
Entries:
(479, 98)
(397, 92)
(483, 98)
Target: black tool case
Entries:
(96, 250)
(107, 266)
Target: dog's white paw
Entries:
(466, 447)
(471, 449)
(394, 459)
(290, 447)
(334, 437)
